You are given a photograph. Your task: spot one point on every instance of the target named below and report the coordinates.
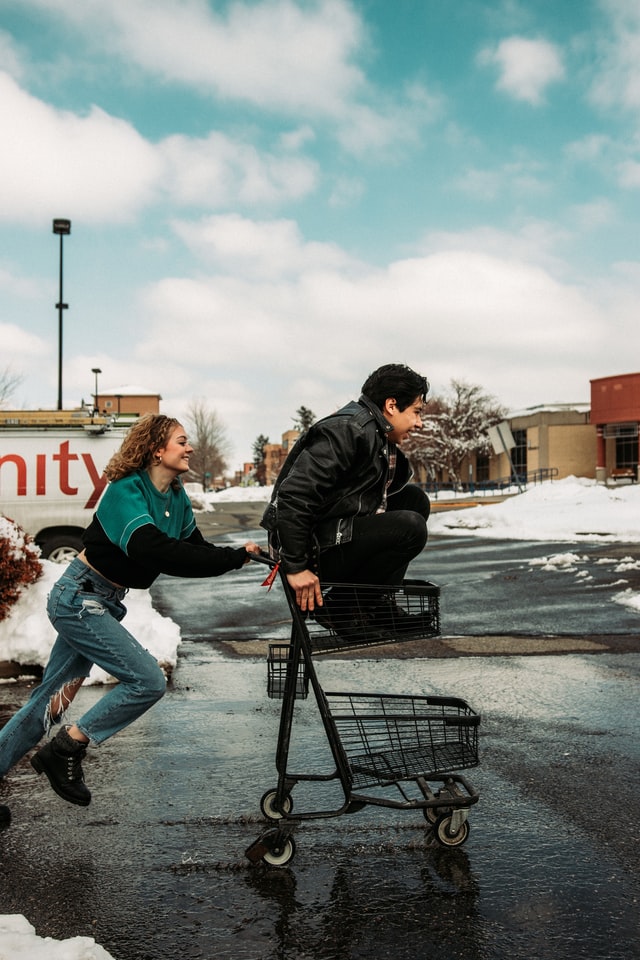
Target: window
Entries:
(519, 453)
(626, 453)
(482, 467)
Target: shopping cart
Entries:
(390, 750)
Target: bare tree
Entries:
(9, 382)
(455, 427)
(209, 439)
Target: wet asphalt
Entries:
(155, 868)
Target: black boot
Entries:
(60, 759)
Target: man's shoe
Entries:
(391, 618)
(60, 759)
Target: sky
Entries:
(271, 198)
(551, 511)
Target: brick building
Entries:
(615, 414)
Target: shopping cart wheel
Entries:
(268, 808)
(444, 834)
(431, 814)
(281, 850)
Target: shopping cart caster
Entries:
(275, 848)
(451, 830)
(269, 808)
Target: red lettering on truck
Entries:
(64, 457)
(21, 469)
(98, 480)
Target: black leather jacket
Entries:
(336, 471)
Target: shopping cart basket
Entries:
(390, 750)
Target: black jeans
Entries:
(382, 545)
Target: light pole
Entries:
(62, 228)
(96, 405)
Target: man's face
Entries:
(402, 421)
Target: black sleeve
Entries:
(319, 475)
(193, 557)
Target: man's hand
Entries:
(306, 586)
(251, 547)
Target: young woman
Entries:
(144, 526)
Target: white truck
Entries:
(51, 473)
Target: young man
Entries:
(343, 510)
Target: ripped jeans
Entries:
(86, 611)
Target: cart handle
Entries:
(263, 557)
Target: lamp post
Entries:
(61, 228)
(96, 405)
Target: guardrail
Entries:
(489, 487)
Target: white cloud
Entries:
(275, 54)
(10, 57)
(518, 178)
(274, 307)
(94, 167)
(617, 80)
(629, 174)
(19, 345)
(236, 245)
(526, 67)
(218, 171)
(279, 56)
(98, 168)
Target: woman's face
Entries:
(175, 454)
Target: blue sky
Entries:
(269, 199)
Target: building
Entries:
(274, 455)
(129, 400)
(615, 414)
(553, 440)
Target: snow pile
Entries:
(18, 940)
(234, 494)
(26, 636)
(572, 509)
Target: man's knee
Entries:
(413, 498)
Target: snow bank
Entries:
(26, 635)
(18, 939)
(572, 509)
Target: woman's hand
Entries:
(252, 547)
(306, 587)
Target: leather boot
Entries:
(60, 759)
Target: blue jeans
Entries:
(86, 611)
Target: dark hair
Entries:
(397, 381)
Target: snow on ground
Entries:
(18, 940)
(572, 510)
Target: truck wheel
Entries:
(61, 549)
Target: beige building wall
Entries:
(572, 449)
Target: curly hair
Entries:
(146, 436)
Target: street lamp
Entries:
(62, 228)
(96, 405)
